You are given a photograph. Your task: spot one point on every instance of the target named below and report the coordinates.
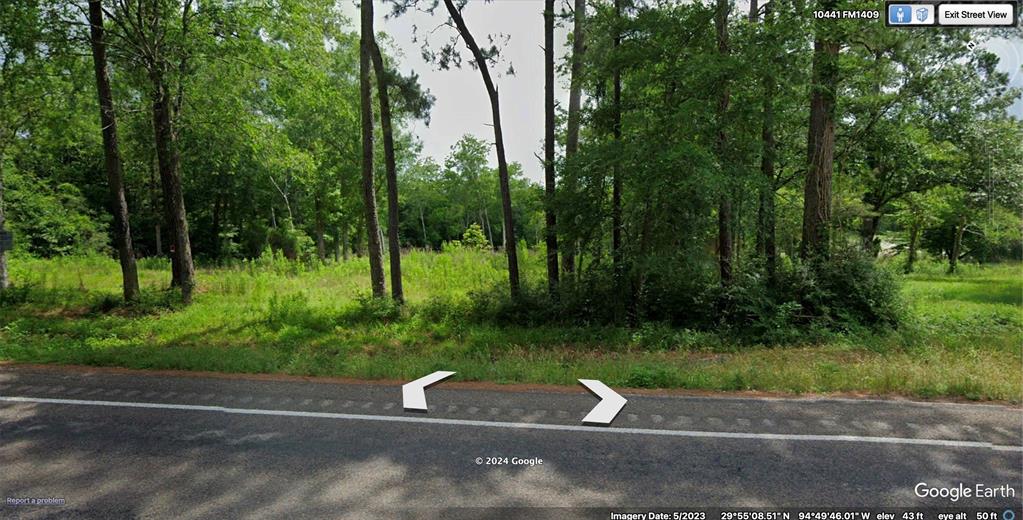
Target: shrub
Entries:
(845, 292)
(473, 238)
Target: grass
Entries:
(961, 340)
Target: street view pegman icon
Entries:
(900, 14)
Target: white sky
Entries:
(462, 105)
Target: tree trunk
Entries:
(5, 280)
(490, 229)
(393, 211)
(369, 198)
(320, 227)
(957, 246)
(574, 108)
(112, 156)
(345, 248)
(502, 162)
(725, 255)
(422, 222)
(170, 179)
(914, 237)
(766, 243)
(218, 209)
(337, 245)
(548, 148)
(357, 245)
(617, 259)
(868, 233)
(155, 207)
(820, 147)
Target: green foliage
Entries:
(291, 243)
(474, 238)
(51, 220)
(961, 336)
(847, 291)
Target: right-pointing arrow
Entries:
(607, 409)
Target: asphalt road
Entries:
(131, 445)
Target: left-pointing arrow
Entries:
(413, 394)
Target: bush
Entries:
(845, 292)
(473, 238)
(292, 242)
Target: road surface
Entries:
(113, 444)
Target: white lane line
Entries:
(523, 426)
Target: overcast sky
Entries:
(462, 105)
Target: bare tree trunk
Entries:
(574, 108)
(502, 162)
(548, 149)
(170, 179)
(393, 211)
(725, 255)
(369, 198)
(820, 147)
(112, 155)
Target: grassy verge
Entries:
(962, 338)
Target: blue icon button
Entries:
(922, 14)
(899, 14)
(1008, 514)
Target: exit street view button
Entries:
(971, 14)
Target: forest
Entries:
(735, 181)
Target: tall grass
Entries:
(962, 338)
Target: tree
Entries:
(725, 203)
(820, 142)
(483, 64)
(617, 255)
(376, 268)
(766, 238)
(112, 155)
(393, 211)
(574, 109)
(22, 88)
(159, 35)
(550, 179)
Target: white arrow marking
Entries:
(413, 394)
(610, 403)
